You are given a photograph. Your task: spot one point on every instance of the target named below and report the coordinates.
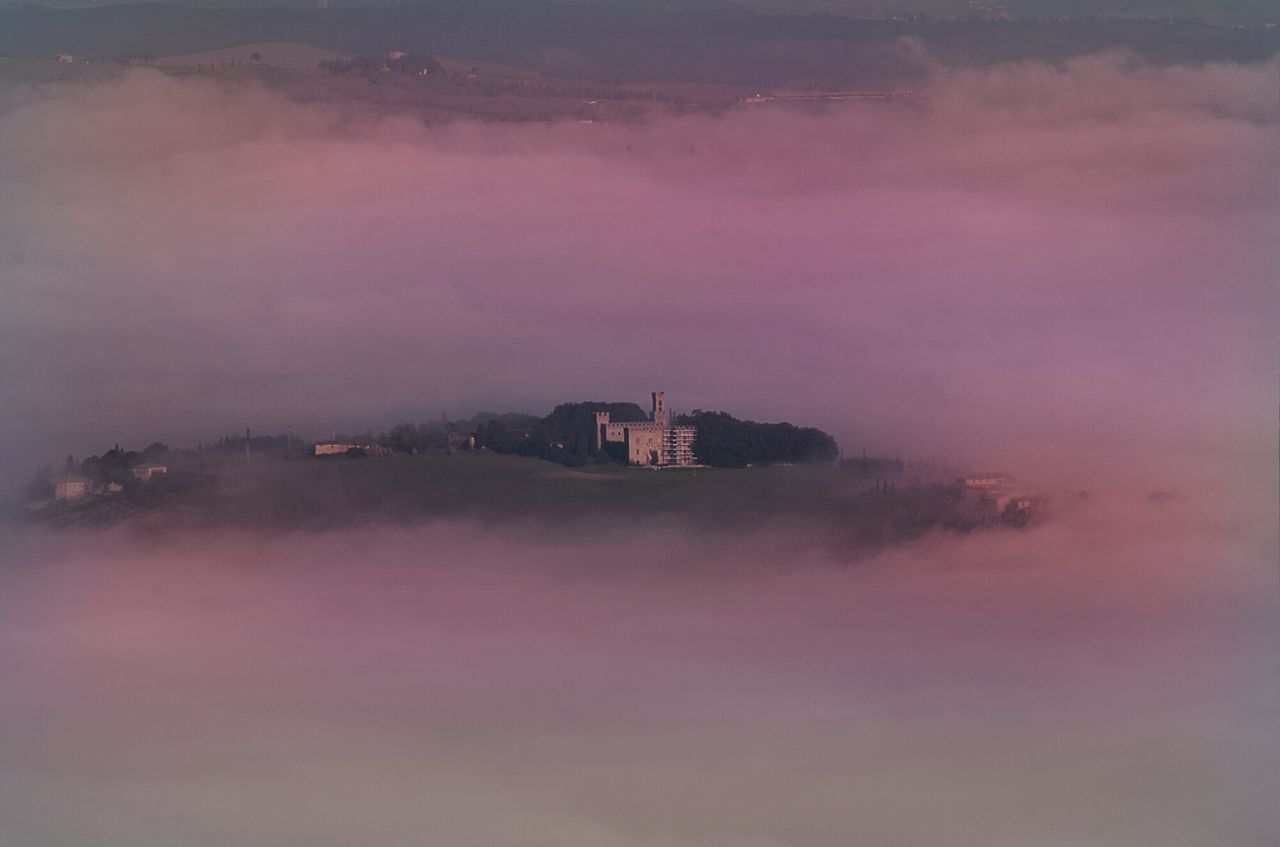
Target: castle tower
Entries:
(660, 408)
(602, 420)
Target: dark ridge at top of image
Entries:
(719, 44)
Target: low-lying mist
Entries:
(1066, 272)
(1034, 266)
(1104, 679)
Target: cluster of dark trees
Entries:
(504, 433)
(490, 429)
(723, 441)
(568, 436)
(411, 64)
(229, 444)
(408, 438)
(573, 425)
(112, 466)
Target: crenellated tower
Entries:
(659, 414)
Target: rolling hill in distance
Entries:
(627, 44)
(1222, 12)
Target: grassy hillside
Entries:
(311, 494)
(275, 54)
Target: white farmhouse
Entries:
(149, 471)
(71, 487)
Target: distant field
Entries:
(41, 71)
(277, 54)
(456, 65)
(826, 505)
(493, 92)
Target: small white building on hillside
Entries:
(333, 448)
(343, 448)
(149, 471)
(71, 487)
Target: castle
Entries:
(653, 442)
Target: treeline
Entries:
(865, 465)
(257, 444)
(435, 437)
(723, 441)
(114, 465)
(406, 438)
(566, 436)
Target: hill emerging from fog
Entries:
(1222, 12)
(830, 506)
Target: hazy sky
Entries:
(1031, 264)
(1229, 11)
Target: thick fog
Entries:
(1104, 679)
(1035, 266)
(1068, 271)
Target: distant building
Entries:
(71, 487)
(985, 482)
(65, 59)
(654, 442)
(334, 448)
(461, 441)
(679, 446)
(342, 448)
(149, 471)
(999, 496)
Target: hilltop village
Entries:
(422, 468)
(592, 433)
(653, 442)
